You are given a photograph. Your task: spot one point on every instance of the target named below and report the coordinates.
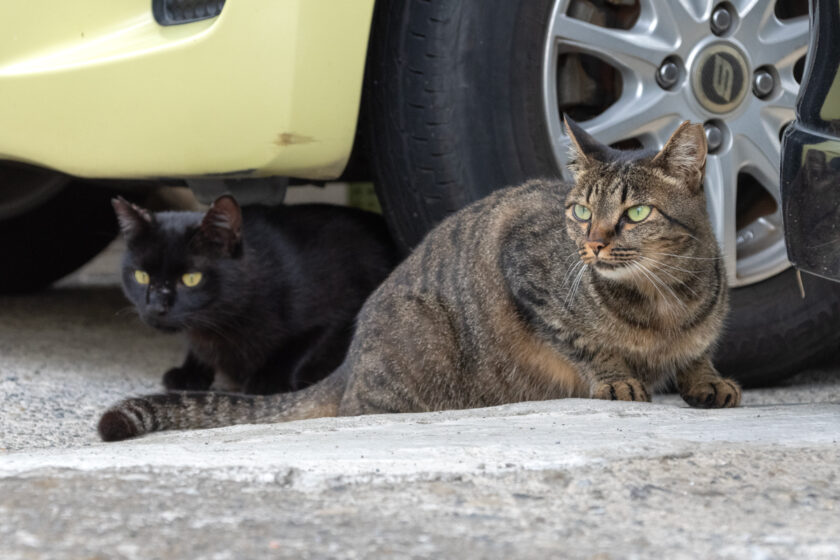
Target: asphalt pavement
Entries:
(572, 479)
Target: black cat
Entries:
(265, 295)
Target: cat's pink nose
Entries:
(595, 246)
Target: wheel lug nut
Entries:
(763, 83)
(721, 20)
(668, 74)
(714, 136)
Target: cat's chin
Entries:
(163, 326)
(614, 272)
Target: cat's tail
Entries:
(192, 410)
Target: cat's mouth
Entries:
(614, 270)
(607, 265)
(163, 324)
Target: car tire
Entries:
(454, 105)
(55, 238)
(455, 111)
(772, 331)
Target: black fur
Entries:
(279, 293)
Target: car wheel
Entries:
(467, 97)
(49, 226)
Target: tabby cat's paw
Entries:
(716, 392)
(628, 389)
(180, 379)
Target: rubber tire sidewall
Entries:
(448, 121)
(772, 332)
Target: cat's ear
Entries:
(684, 155)
(133, 220)
(584, 149)
(220, 232)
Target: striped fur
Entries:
(190, 410)
(504, 302)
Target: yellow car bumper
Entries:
(96, 88)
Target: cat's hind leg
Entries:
(405, 358)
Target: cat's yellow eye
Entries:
(638, 213)
(141, 277)
(582, 212)
(191, 279)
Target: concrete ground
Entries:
(571, 479)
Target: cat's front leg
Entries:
(700, 385)
(621, 389)
(611, 379)
(193, 375)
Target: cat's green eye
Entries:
(582, 212)
(191, 279)
(638, 213)
(141, 277)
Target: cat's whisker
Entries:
(655, 283)
(687, 257)
(665, 285)
(638, 267)
(679, 282)
(569, 257)
(198, 322)
(676, 298)
(692, 272)
(125, 310)
(576, 285)
(571, 273)
(570, 294)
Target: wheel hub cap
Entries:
(720, 78)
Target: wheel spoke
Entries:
(753, 14)
(759, 153)
(633, 52)
(721, 191)
(650, 113)
(773, 117)
(683, 22)
(786, 100)
(782, 43)
(646, 113)
(697, 10)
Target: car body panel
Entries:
(98, 89)
(810, 175)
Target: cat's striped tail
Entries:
(192, 410)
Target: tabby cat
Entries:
(267, 296)
(608, 288)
